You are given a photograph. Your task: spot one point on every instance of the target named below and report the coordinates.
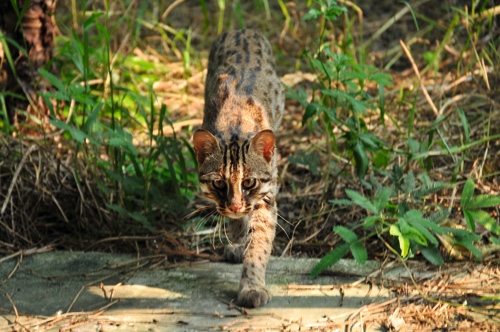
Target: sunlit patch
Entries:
(134, 291)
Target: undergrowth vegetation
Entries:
(405, 142)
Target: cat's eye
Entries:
(249, 183)
(219, 184)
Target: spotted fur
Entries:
(236, 151)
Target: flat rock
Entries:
(91, 291)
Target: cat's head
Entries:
(236, 175)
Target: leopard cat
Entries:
(236, 151)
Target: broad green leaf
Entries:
(466, 239)
(309, 112)
(382, 198)
(331, 258)
(467, 244)
(414, 145)
(361, 160)
(313, 13)
(462, 234)
(469, 219)
(381, 79)
(425, 232)
(92, 118)
(369, 221)
(415, 235)
(381, 158)
(432, 226)
(495, 240)
(346, 234)
(467, 193)
(483, 201)
(403, 226)
(122, 143)
(54, 80)
(370, 141)
(404, 243)
(413, 215)
(362, 201)
(485, 219)
(432, 254)
(358, 251)
(77, 134)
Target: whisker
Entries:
(282, 228)
(198, 210)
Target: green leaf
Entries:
(408, 183)
(331, 258)
(413, 215)
(428, 189)
(439, 216)
(432, 254)
(465, 124)
(404, 243)
(341, 202)
(369, 221)
(414, 145)
(381, 158)
(91, 120)
(309, 112)
(425, 232)
(396, 176)
(77, 134)
(382, 198)
(484, 219)
(467, 244)
(381, 79)
(469, 219)
(133, 215)
(54, 80)
(483, 201)
(362, 201)
(361, 160)
(358, 251)
(313, 13)
(415, 235)
(495, 240)
(467, 193)
(346, 234)
(370, 141)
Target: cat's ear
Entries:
(204, 144)
(263, 143)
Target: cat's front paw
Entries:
(234, 253)
(254, 297)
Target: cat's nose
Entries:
(235, 207)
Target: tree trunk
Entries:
(35, 34)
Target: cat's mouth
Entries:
(234, 215)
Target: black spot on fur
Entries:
(237, 38)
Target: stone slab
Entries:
(90, 291)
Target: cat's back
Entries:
(244, 59)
